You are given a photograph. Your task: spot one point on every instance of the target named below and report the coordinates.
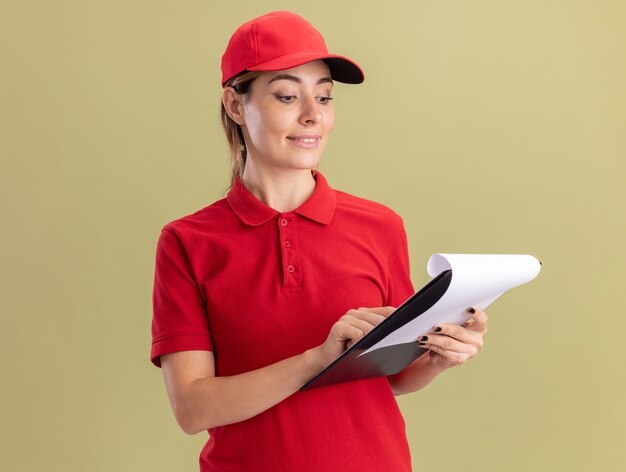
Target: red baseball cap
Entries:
(282, 40)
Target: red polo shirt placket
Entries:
(288, 237)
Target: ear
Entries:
(232, 104)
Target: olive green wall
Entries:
(489, 125)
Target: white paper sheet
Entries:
(477, 280)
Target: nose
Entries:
(311, 111)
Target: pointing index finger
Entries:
(379, 310)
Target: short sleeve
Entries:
(399, 282)
(179, 321)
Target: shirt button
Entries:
(283, 222)
(290, 268)
(287, 244)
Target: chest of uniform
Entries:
(281, 288)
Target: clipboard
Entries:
(460, 281)
(353, 364)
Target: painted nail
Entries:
(420, 344)
(471, 311)
(437, 329)
(424, 338)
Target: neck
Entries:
(281, 190)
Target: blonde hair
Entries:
(241, 83)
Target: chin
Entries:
(305, 162)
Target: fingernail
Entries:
(471, 311)
(437, 329)
(424, 338)
(420, 344)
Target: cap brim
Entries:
(341, 68)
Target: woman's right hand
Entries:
(347, 330)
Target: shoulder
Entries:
(367, 212)
(204, 220)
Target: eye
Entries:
(324, 100)
(286, 98)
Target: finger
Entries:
(363, 325)
(478, 319)
(355, 331)
(379, 310)
(454, 358)
(449, 344)
(373, 318)
(461, 333)
(346, 332)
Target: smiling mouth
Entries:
(304, 140)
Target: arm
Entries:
(200, 400)
(450, 345)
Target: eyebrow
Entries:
(293, 78)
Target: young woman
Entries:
(259, 291)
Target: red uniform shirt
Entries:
(256, 286)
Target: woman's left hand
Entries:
(451, 345)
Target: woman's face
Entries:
(288, 116)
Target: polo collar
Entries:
(319, 207)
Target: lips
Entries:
(305, 139)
